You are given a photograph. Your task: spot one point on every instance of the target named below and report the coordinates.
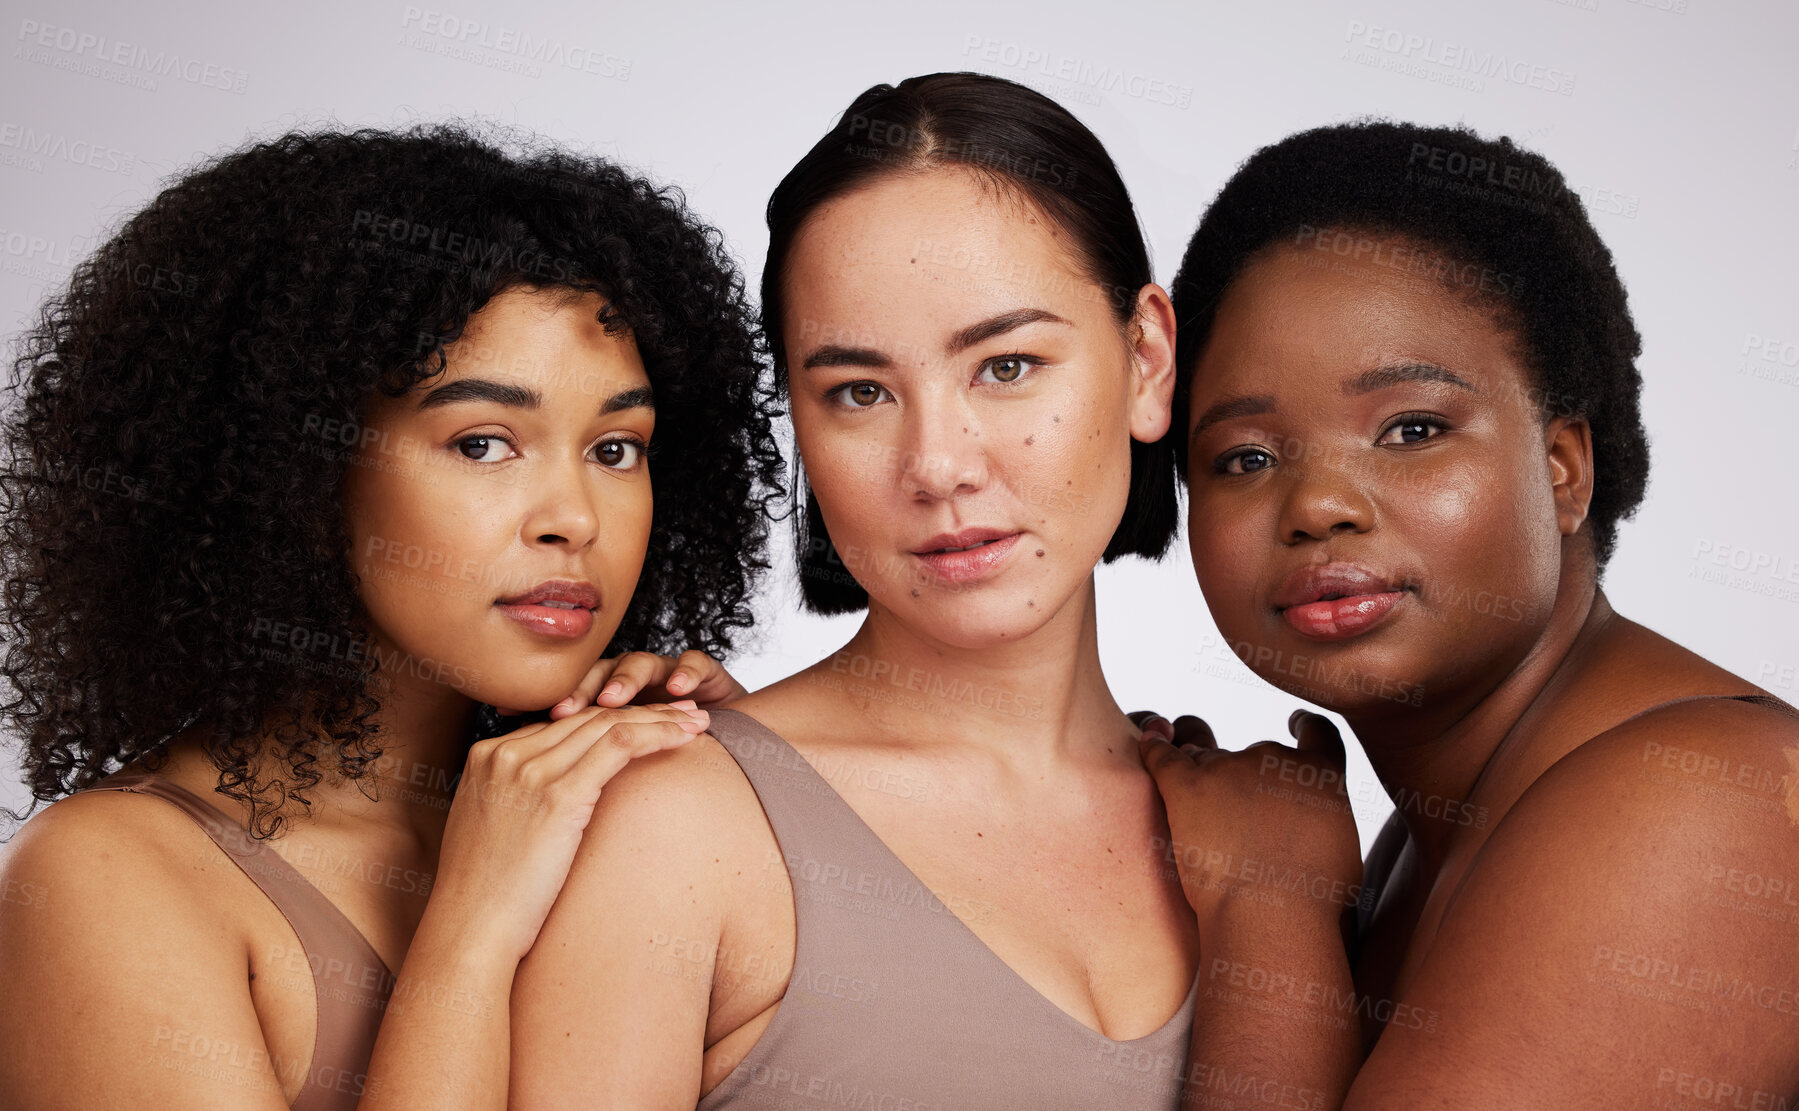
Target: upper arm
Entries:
(610, 1005)
(121, 987)
(1625, 935)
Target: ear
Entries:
(1570, 444)
(1151, 338)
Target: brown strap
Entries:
(351, 981)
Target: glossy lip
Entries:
(529, 609)
(951, 566)
(1337, 601)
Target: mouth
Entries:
(962, 557)
(1337, 601)
(557, 608)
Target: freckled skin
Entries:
(870, 464)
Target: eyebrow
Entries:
(992, 327)
(1381, 377)
(998, 326)
(523, 397)
(481, 389)
(1231, 408)
(638, 398)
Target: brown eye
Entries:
(621, 454)
(477, 448)
(1005, 368)
(858, 395)
(1411, 430)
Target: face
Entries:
(964, 399)
(1378, 507)
(499, 511)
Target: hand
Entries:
(1271, 821)
(648, 678)
(521, 806)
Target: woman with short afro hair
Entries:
(327, 484)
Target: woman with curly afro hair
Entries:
(338, 447)
(1409, 423)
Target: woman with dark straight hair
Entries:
(928, 870)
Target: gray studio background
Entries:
(1677, 119)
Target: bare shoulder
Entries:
(1628, 922)
(108, 846)
(677, 816)
(1711, 764)
(121, 927)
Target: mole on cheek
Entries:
(1039, 553)
(1029, 440)
(915, 591)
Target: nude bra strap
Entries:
(349, 978)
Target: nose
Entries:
(563, 506)
(1322, 502)
(943, 454)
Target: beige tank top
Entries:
(351, 980)
(894, 1004)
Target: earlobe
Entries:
(1570, 444)
(1152, 358)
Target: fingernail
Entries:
(693, 725)
(614, 688)
(680, 676)
(1293, 720)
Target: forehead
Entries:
(936, 246)
(1295, 312)
(548, 339)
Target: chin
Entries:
(999, 618)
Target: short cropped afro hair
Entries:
(166, 484)
(1487, 204)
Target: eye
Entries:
(621, 455)
(1411, 428)
(858, 395)
(1005, 368)
(1246, 460)
(479, 448)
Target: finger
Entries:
(636, 671)
(532, 742)
(700, 677)
(617, 747)
(1159, 757)
(1148, 721)
(616, 728)
(1189, 730)
(587, 691)
(1317, 735)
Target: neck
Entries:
(1040, 699)
(420, 728)
(1431, 759)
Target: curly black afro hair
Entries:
(1488, 204)
(166, 484)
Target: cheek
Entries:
(1490, 528)
(1218, 536)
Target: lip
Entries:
(1337, 601)
(572, 619)
(986, 549)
